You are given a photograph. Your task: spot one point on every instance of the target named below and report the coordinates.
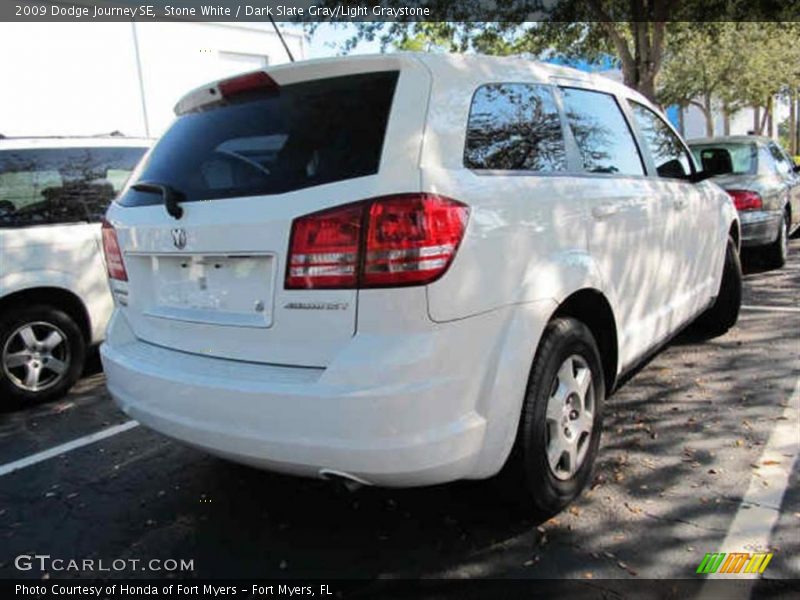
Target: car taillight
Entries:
(324, 249)
(405, 239)
(745, 200)
(257, 81)
(114, 263)
(411, 239)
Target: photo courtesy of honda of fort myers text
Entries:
(399, 299)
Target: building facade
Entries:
(94, 78)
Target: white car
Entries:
(409, 269)
(54, 295)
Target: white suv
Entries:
(54, 296)
(405, 269)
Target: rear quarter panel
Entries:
(62, 256)
(523, 242)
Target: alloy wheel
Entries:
(570, 417)
(36, 356)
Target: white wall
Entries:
(694, 122)
(82, 78)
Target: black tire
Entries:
(69, 353)
(723, 314)
(776, 253)
(528, 474)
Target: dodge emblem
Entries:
(179, 238)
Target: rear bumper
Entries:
(417, 424)
(760, 227)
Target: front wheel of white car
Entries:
(561, 421)
(41, 353)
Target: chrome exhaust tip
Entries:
(350, 482)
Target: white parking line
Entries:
(64, 448)
(780, 309)
(760, 508)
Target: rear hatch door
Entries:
(212, 281)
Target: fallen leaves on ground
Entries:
(634, 509)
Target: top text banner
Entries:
(394, 10)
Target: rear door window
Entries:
(601, 132)
(515, 126)
(305, 134)
(61, 185)
(670, 155)
(722, 158)
(782, 164)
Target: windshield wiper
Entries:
(171, 196)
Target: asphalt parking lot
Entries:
(694, 457)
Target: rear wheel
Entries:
(42, 352)
(723, 314)
(776, 253)
(561, 421)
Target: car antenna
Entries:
(283, 41)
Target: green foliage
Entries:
(733, 64)
(642, 36)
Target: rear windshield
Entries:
(306, 134)
(43, 186)
(719, 159)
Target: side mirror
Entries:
(699, 176)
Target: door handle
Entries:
(604, 211)
(679, 203)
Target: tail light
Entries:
(745, 200)
(114, 263)
(407, 239)
(324, 249)
(249, 83)
(411, 239)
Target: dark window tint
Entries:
(726, 158)
(514, 126)
(601, 132)
(305, 134)
(669, 154)
(61, 185)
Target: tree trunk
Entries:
(756, 119)
(648, 41)
(770, 124)
(726, 120)
(797, 116)
(681, 124)
(793, 122)
(648, 26)
(705, 108)
(763, 120)
(709, 116)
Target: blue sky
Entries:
(326, 37)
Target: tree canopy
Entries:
(731, 64)
(707, 53)
(635, 34)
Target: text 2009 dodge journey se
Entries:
(409, 269)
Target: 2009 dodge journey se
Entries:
(409, 269)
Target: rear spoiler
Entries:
(246, 84)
